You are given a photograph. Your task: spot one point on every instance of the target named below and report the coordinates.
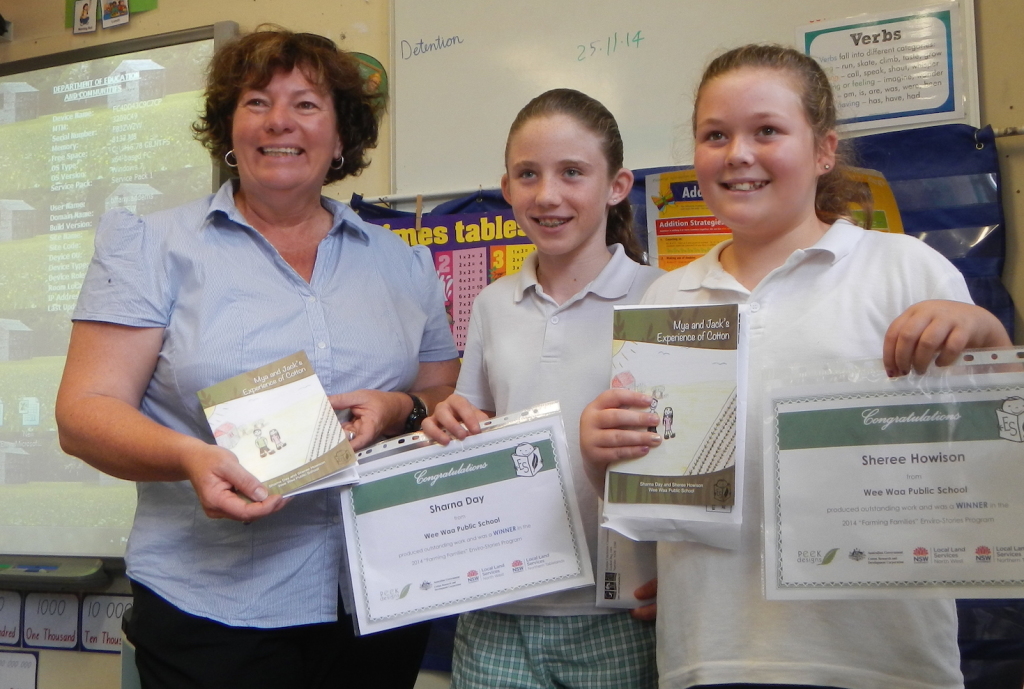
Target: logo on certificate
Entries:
(527, 460)
(921, 555)
(1011, 419)
(983, 554)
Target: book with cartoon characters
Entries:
(279, 423)
(690, 360)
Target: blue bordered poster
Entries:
(894, 68)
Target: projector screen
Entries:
(80, 133)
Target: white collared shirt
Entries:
(834, 300)
(524, 349)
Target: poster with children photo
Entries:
(85, 16)
(115, 12)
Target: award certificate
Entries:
(896, 488)
(434, 531)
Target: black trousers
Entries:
(176, 650)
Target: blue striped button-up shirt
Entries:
(229, 303)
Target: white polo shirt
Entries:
(834, 300)
(523, 349)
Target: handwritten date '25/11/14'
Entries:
(608, 46)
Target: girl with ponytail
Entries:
(536, 336)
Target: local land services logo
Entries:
(517, 565)
(983, 554)
(921, 555)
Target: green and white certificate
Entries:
(434, 531)
(896, 489)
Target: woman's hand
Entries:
(942, 329)
(374, 414)
(106, 373)
(221, 482)
(612, 429)
(650, 611)
(455, 417)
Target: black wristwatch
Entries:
(416, 416)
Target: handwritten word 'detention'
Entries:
(410, 50)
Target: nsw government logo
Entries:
(921, 555)
(517, 565)
(983, 554)
(473, 575)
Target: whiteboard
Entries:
(464, 68)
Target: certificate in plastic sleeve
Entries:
(896, 488)
(433, 531)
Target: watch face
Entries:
(416, 416)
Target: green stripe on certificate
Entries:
(421, 484)
(889, 425)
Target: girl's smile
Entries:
(756, 157)
(560, 188)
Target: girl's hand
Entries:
(942, 329)
(455, 417)
(647, 612)
(220, 483)
(612, 429)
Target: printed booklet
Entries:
(279, 423)
(691, 360)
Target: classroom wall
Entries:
(1000, 54)
(358, 25)
(363, 25)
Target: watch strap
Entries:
(416, 416)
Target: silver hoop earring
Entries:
(230, 159)
(338, 164)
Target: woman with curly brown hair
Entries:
(232, 586)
